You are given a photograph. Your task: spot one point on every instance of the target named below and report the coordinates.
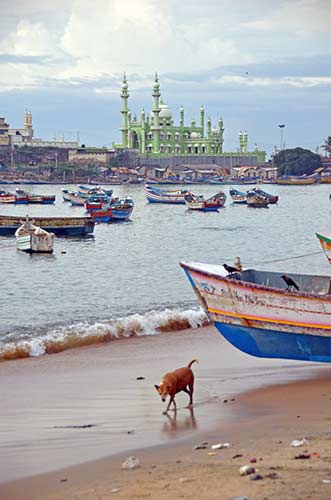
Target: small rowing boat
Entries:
(238, 197)
(158, 195)
(198, 202)
(33, 239)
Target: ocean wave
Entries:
(84, 334)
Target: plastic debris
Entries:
(131, 463)
(238, 455)
(314, 455)
(256, 477)
(272, 475)
(184, 479)
(239, 498)
(220, 446)
(253, 460)
(115, 490)
(200, 446)
(296, 443)
(212, 453)
(326, 481)
(302, 456)
(245, 470)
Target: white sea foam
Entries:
(82, 334)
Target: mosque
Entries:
(156, 136)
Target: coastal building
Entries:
(25, 137)
(4, 135)
(156, 136)
(86, 156)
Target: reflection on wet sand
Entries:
(183, 423)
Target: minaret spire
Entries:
(124, 111)
(156, 119)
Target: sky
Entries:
(256, 63)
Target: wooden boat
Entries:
(76, 200)
(87, 190)
(238, 197)
(158, 195)
(325, 242)
(296, 181)
(198, 202)
(97, 200)
(255, 312)
(115, 211)
(272, 199)
(256, 200)
(60, 226)
(33, 239)
(17, 199)
(43, 199)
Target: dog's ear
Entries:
(157, 387)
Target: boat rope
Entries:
(286, 258)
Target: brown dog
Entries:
(177, 381)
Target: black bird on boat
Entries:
(290, 283)
(230, 269)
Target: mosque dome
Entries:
(195, 135)
(214, 130)
(165, 111)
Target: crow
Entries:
(230, 269)
(290, 283)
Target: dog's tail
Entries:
(191, 363)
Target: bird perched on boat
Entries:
(290, 283)
(230, 269)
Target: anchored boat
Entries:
(33, 239)
(115, 211)
(238, 197)
(60, 226)
(257, 313)
(159, 195)
(198, 202)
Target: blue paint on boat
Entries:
(264, 343)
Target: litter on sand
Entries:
(299, 442)
(131, 463)
(220, 446)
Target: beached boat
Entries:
(238, 197)
(257, 313)
(198, 202)
(158, 195)
(33, 239)
(60, 226)
(115, 211)
(325, 242)
(256, 200)
(272, 199)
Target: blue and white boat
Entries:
(258, 313)
(158, 195)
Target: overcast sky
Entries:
(257, 63)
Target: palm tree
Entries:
(327, 145)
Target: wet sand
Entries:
(45, 401)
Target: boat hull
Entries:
(264, 321)
(60, 226)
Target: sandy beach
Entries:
(71, 419)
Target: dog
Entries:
(179, 380)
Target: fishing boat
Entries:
(256, 200)
(158, 195)
(87, 190)
(115, 211)
(325, 242)
(238, 197)
(60, 226)
(43, 199)
(76, 200)
(65, 194)
(296, 181)
(97, 200)
(13, 198)
(198, 202)
(272, 199)
(33, 239)
(258, 314)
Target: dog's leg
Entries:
(189, 391)
(167, 409)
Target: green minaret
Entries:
(156, 119)
(124, 96)
(202, 120)
(181, 119)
